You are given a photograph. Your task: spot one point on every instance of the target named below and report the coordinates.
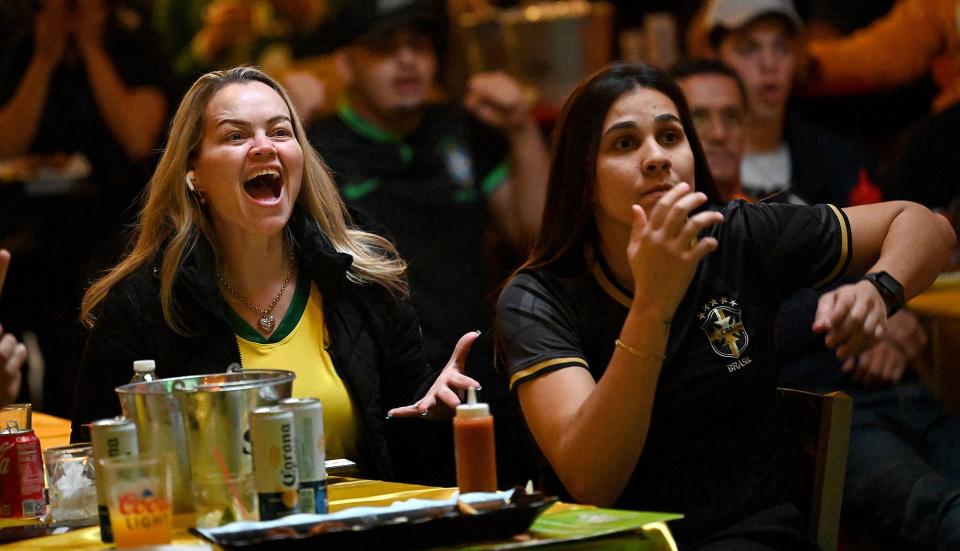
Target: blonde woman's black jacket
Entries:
(375, 343)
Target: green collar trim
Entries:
(364, 127)
(290, 320)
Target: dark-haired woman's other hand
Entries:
(852, 317)
(444, 396)
(885, 362)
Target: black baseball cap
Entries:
(359, 19)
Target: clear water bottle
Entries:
(144, 371)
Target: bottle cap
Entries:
(143, 366)
(473, 408)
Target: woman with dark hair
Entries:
(639, 333)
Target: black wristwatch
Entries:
(889, 288)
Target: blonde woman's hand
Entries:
(444, 396)
(664, 250)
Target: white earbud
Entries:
(190, 178)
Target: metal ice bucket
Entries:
(202, 421)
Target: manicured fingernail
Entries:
(478, 388)
(477, 331)
(424, 414)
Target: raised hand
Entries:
(498, 100)
(664, 250)
(225, 24)
(443, 397)
(89, 25)
(50, 29)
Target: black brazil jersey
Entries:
(429, 190)
(711, 447)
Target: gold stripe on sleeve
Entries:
(844, 248)
(536, 368)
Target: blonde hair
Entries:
(172, 220)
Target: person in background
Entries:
(245, 253)
(83, 99)
(914, 38)
(442, 178)
(205, 35)
(718, 105)
(759, 40)
(12, 353)
(903, 462)
(639, 333)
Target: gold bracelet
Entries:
(638, 353)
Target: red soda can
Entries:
(21, 475)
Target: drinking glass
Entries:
(71, 482)
(16, 417)
(139, 496)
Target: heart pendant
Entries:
(266, 323)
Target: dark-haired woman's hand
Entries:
(852, 317)
(444, 396)
(664, 250)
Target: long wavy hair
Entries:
(171, 221)
(568, 219)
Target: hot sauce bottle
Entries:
(475, 448)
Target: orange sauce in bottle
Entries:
(475, 447)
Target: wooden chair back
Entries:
(819, 424)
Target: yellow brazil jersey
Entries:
(299, 344)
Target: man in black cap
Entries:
(436, 176)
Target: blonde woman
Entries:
(245, 253)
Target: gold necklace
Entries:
(266, 321)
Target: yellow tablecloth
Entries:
(52, 431)
(342, 494)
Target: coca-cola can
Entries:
(21, 475)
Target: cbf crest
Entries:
(722, 322)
